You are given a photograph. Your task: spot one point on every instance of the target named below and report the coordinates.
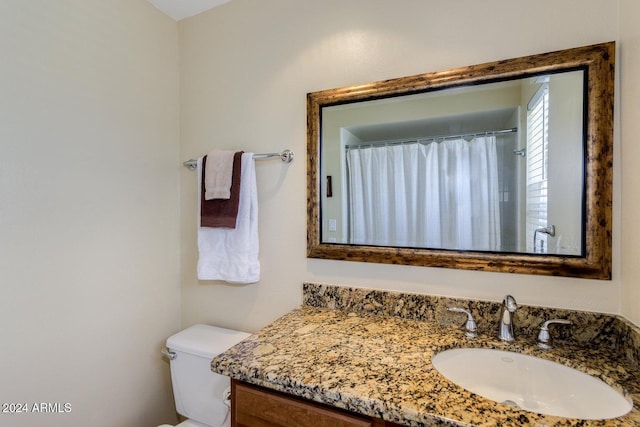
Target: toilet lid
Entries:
(205, 340)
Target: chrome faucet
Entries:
(509, 307)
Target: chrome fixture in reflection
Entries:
(471, 326)
(549, 231)
(286, 156)
(509, 306)
(544, 338)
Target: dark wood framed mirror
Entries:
(497, 223)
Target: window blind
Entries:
(537, 164)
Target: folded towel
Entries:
(218, 174)
(231, 254)
(221, 212)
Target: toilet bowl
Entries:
(191, 423)
(200, 395)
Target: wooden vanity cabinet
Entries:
(253, 406)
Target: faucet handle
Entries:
(544, 337)
(471, 326)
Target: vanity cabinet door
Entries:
(253, 406)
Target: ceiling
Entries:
(180, 9)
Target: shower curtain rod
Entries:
(286, 156)
(431, 138)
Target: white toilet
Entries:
(200, 394)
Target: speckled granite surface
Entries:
(588, 328)
(379, 364)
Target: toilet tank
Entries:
(198, 391)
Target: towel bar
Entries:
(286, 156)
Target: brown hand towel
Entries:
(221, 212)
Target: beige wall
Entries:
(89, 194)
(246, 67)
(629, 58)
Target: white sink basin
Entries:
(531, 383)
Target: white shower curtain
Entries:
(436, 195)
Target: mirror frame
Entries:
(598, 61)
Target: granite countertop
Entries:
(381, 367)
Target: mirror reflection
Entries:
(496, 167)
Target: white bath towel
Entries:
(217, 174)
(231, 254)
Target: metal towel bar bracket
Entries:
(286, 156)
